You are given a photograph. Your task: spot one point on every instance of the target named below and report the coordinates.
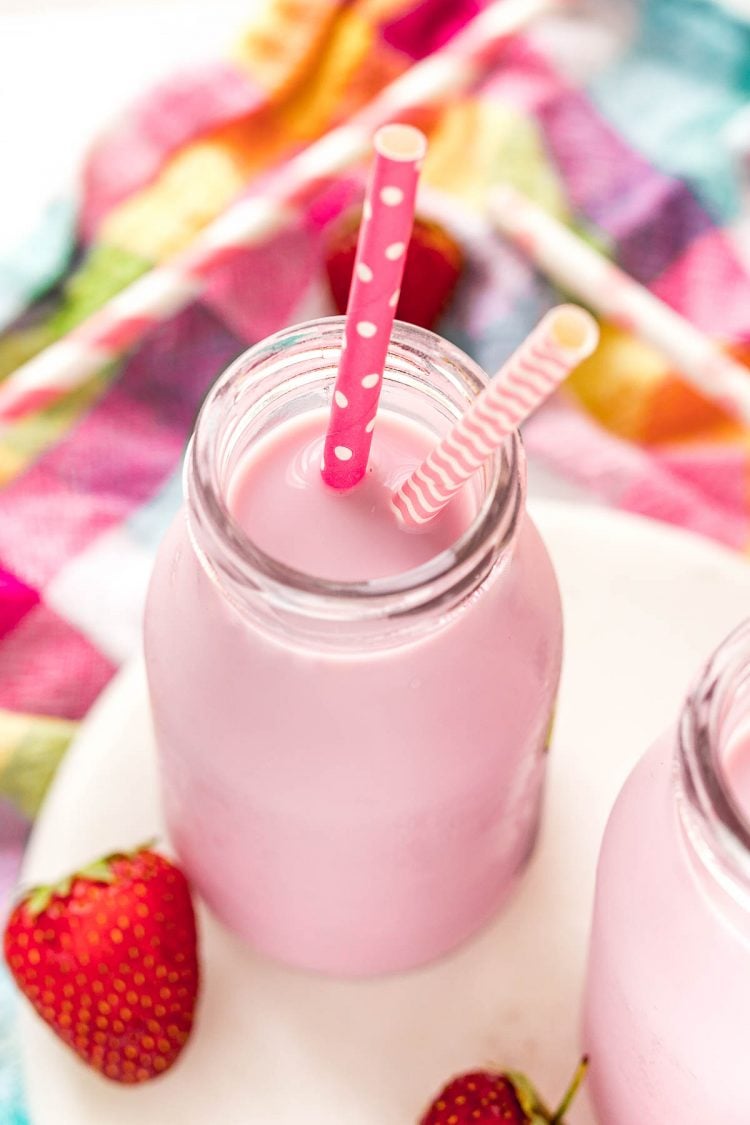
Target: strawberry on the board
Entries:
(433, 267)
(485, 1097)
(108, 958)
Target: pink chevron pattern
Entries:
(564, 337)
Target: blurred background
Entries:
(627, 123)
(67, 66)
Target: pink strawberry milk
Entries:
(667, 1016)
(352, 716)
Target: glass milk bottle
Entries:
(667, 1016)
(352, 770)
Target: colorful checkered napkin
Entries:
(617, 126)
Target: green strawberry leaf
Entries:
(97, 872)
(38, 900)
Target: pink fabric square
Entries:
(85, 486)
(627, 475)
(611, 171)
(338, 197)
(16, 599)
(255, 289)
(427, 25)
(118, 456)
(525, 80)
(721, 471)
(652, 494)
(187, 106)
(47, 667)
(707, 268)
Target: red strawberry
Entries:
(484, 1097)
(109, 960)
(432, 269)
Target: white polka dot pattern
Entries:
(391, 196)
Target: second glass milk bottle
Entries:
(667, 1016)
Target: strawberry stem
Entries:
(565, 1104)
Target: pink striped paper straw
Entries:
(387, 221)
(122, 323)
(586, 274)
(564, 337)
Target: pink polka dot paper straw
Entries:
(387, 221)
(564, 337)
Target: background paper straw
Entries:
(387, 221)
(564, 337)
(582, 271)
(121, 323)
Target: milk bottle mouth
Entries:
(711, 812)
(427, 380)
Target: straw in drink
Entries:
(564, 337)
(388, 218)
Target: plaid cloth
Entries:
(617, 124)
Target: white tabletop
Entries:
(270, 1040)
